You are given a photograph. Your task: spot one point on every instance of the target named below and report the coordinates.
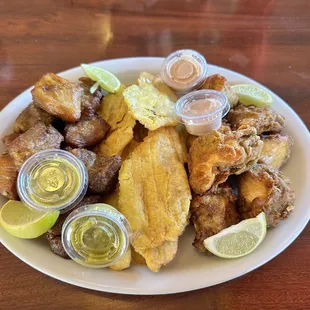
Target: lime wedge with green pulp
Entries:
(238, 240)
(26, 223)
(103, 78)
(252, 95)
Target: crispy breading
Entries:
(58, 97)
(219, 83)
(262, 119)
(123, 263)
(154, 196)
(215, 156)
(276, 150)
(36, 139)
(9, 138)
(115, 111)
(8, 177)
(176, 141)
(151, 106)
(265, 189)
(30, 116)
(86, 132)
(212, 212)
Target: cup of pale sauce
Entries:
(52, 180)
(202, 111)
(96, 235)
(184, 71)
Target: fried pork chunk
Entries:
(265, 189)
(215, 156)
(102, 170)
(58, 97)
(263, 119)
(36, 139)
(30, 116)
(276, 150)
(86, 132)
(90, 103)
(8, 177)
(9, 138)
(53, 235)
(212, 212)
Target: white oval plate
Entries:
(189, 270)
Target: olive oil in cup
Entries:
(52, 180)
(96, 235)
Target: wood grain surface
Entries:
(267, 40)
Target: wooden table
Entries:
(266, 40)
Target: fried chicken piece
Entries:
(58, 97)
(265, 189)
(86, 132)
(219, 83)
(9, 138)
(264, 119)
(212, 212)
(215, 156)
(8, 177)
(102, 170)
(90, 103)
(36, 139)
(30, 116)
(53, 235)
(276, 150)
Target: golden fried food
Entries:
(151, 106)
(9, 138)
(8, 177)
(129, 149)
(212, 212)
(58, 97)
(36, 139)
(115, 111)
(123, 263)
(86, 132)
(276, 150)
(263, 119)
(265, 189)
(176, 141)
(137, 258)
(219, 83)
(154, 197)
(30, 116)
(215, 156)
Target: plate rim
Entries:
(116, 290)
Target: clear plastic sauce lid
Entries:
(202, 111)
(52, 180)
(96, 235)
(184, 70)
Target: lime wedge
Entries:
(22, 222)
(252, 95)
(238, 240)
(104, 79)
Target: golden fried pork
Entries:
(212, 212)
(155, 198)
(86, 132)
(215, 156)
(90, 103)
(264, 119)
(265, 189)
(58, 97)
(8, 177)
(9, 138)
(30, 116)
(36, 139)
(219, 83)
(276, 150)
(102, 170)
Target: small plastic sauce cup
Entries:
(96, 235)
(184, 71)
(52, 180)
(202, 111)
